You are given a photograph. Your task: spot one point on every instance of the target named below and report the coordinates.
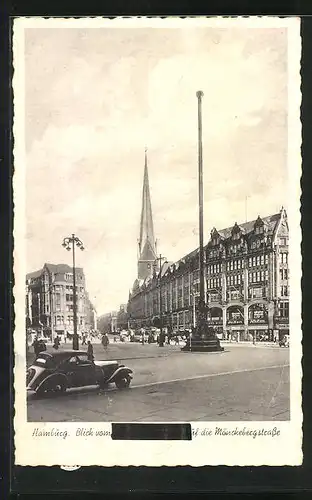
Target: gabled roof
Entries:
(247, 227)
(61, 268)
(34, 274)
(147, 252)
(53, 268)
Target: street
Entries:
(244, 382)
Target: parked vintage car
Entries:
(61, 370)
(284, 342)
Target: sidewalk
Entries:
(248, 343)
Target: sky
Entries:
(95, 98)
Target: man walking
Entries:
(90, 352)
(105, 341)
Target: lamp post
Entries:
(69, 243)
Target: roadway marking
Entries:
(197, 377)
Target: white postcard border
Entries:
(284, 448)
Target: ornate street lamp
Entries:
(69, 244)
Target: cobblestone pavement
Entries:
(242, 383)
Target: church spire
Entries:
(147, 247)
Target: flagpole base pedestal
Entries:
(203, 340)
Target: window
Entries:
(231, 265)
(266, 259)
(284, 291)
(257, 293)
(69, 297)
(258, 260)
(253, 261)
(284, 310)
(214, 297)
(284, 258)
(262, 259)
(282, 242)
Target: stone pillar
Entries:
(271, 315)
(246, 321)
(246, 281)
(223, 282)
(224, 318)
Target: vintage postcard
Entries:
(157, 258)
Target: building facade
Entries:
(246, 280)
(49, 300)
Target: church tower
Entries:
(147, 244)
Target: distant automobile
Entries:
(55, 372)
(284, 342)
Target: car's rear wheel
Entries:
(123, 382)
(52, 387)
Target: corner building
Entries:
(49, 300)
(246, 278)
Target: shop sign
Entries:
(281, 320)
(255, 321)
(234, 321)
(216, 319)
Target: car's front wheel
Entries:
(123, 382)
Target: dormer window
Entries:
(259, 226)
(215, 237)
(236, 232)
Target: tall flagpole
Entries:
(204, 338)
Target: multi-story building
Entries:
(49, 299)
(246, 279)
(90, 314)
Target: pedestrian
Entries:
(90, 352)
(56, 344)
(105, 341)
(36, 346)
(161, 339)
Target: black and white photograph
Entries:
(157, 235)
